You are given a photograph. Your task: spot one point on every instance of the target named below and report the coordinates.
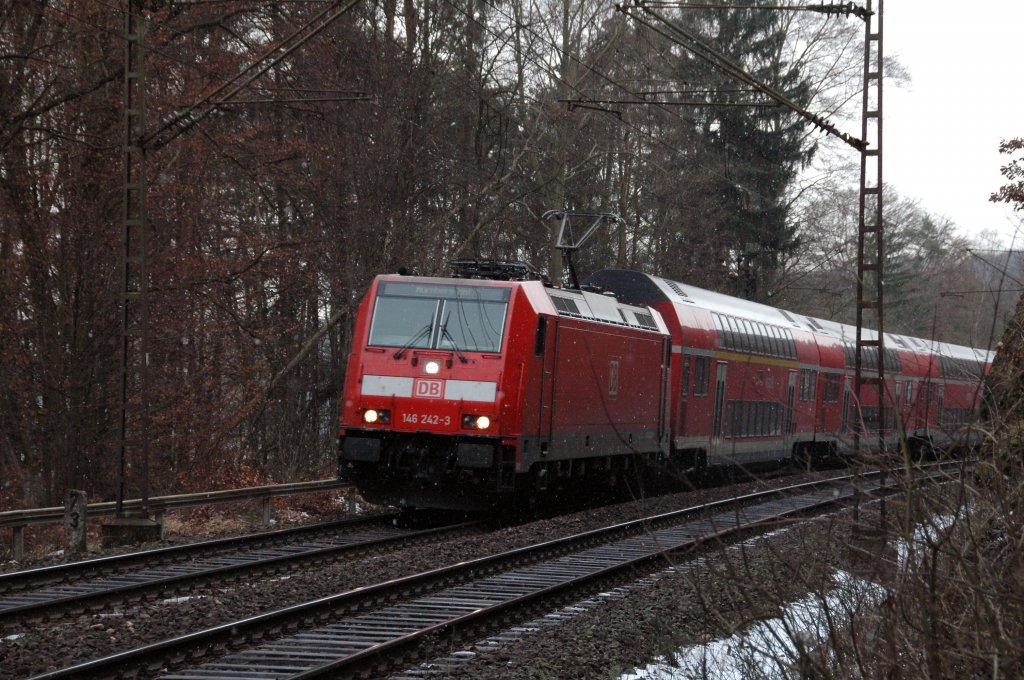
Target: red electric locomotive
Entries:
(465, 393)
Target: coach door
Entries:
(716, 423)
(790, 401)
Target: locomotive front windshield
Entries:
(439, 316)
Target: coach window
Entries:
(776, 345)
(684, 384)
(807, 384)
(732, 335)
(720, 329)
(741, 335)
(751, 335)
(830, 388)
(730, 419)
(701, 375)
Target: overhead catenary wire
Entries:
(631, 102)
(615, 83)
(709, 54)
(1002, 270)
(603, 76)
(193, 114)
(534, 59)
(163, 53)
(844, 8)
(958, 293)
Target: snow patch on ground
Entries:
(116, 614)
(183, 598)
(766, 649)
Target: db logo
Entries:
(432, 389)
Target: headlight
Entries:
(382, 417)
(473, 422)
(432, 367)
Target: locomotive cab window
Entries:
(439, 316)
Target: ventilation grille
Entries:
(565, 305)
(675, 288)
(646, 320)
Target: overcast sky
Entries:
(942, 132)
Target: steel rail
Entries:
(733, 515)
(170, 581)
(70, 572)
(16, 518)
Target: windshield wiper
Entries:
(412, 340)
(445, 334)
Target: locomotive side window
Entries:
(427, 316)
(542, 334)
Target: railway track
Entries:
(371, 630)
(93, 585)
